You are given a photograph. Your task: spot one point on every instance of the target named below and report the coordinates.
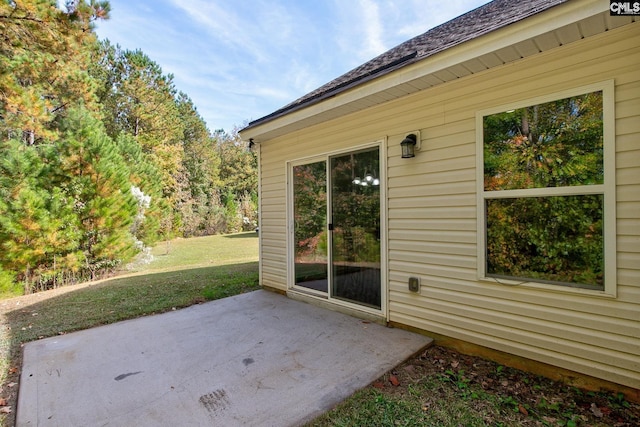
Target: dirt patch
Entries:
(504, 395)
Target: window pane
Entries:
(555, 144)
(549, 239)
(310, 220)
(355, 209)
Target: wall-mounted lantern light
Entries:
(252, 145)
(410, 144)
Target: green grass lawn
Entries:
(206, 251)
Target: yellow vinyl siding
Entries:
(628, 184)
(273, 255)
(432, 212)
(550, 334)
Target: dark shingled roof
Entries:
(485, 19)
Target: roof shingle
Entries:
(482, 20)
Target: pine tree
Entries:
(144, 174)
(90, 168)
(139, 100)
(39, 232)
(44, 55)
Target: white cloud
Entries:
(222, 24)
(373, 29)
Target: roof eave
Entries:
(319, 109)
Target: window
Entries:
(546, 178)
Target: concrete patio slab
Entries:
(257, 359)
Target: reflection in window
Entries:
(555, 144)
(310, 218)
(551, 154)
(355, 209)
(554, 239)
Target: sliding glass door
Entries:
(336, 227)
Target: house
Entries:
(479, 183)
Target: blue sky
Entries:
(239, 60)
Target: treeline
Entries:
(101, 156)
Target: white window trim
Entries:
(608, 189)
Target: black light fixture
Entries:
(408, 145)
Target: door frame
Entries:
(310, 294)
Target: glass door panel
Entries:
(310, 225)
(355, 242)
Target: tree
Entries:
(39, 231)
(44, 55)
(239, 179)
(99, 153)
(199, 200)
(138, 100)
(238, 168)
(136, 97)
(89, 168)
(144, 175)
(201, 159)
